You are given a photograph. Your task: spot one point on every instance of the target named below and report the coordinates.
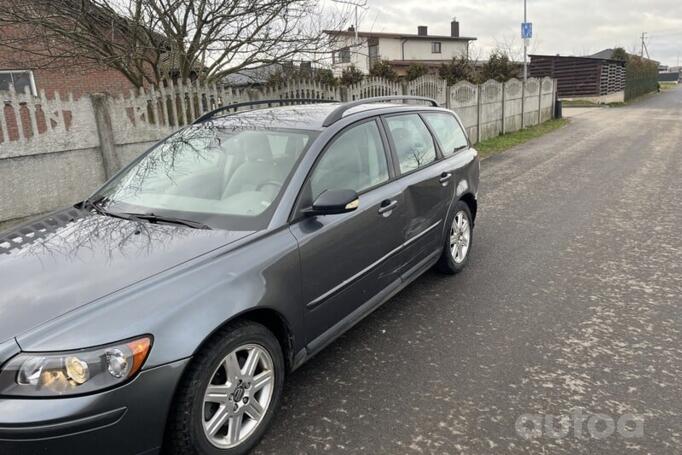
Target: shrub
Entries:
(326, 76)
(499, 67)
(620, 54)
(459, 69)
(351, 75)
(383, 69)
(415, 71)
(641, 76)
(322, 75)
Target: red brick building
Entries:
(25, 69)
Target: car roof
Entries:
(306, 116)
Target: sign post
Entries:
(526, 35)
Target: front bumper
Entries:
(126, 420)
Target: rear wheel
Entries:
(229, 394)
(458, 240)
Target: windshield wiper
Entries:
(153, 218)
(101, 210)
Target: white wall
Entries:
(418, 49)
(359, 56)
(392, 49)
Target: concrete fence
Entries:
(57, 150)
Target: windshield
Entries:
(224, 177)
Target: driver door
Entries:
(347, 259)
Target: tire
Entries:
(450, 263)
(193, 410)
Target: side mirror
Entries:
(332, 202)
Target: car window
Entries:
(229, 175)
(448, 131)
(356, 160)
(412, 140)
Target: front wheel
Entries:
(458, 240)
(229, 394)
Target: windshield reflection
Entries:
(226, 174)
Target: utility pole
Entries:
(644, 48)
(356, 27)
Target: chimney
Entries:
(422, 30)
(454, 28)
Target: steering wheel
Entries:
(269, 182)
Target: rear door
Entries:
(347, 259)
(453, 143)
(423, 181)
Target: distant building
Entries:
(669, 76)
(24, 71)
(400, 49)
(594, 78)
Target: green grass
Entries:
(668, 85)
(504, 142)
(579, 103)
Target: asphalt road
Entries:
(571, 304)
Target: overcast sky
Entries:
(568, 27)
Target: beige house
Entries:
(363, 49)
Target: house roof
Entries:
(571, 57)
(247, 76)
(606, 54)
(399, 35)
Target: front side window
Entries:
(448, 132)
(222, 177)
(435, 47)
(354, 161)
(412, 141)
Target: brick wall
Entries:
(81, 80)
(78, 78)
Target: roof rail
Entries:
(280, 102)
(337, 114)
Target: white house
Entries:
(362, 49)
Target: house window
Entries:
(20, 79)
(435, 47)
(342, 55)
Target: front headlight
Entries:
(74, 372)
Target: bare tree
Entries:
(148, 40)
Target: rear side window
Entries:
(448, 132)
(356, 160)
(412, 140)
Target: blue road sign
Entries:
(527, 30)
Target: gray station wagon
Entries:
(163, 313)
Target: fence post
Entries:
(554, 97)
(107, 147)
(478, 114)
(539, 102)
(448, 103)
(343, 94)
(504, 94)
(523, 104)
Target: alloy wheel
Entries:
(238, 396)
(460, 237)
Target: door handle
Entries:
(387, 206)
(445, 177)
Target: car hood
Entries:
(58, 263)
